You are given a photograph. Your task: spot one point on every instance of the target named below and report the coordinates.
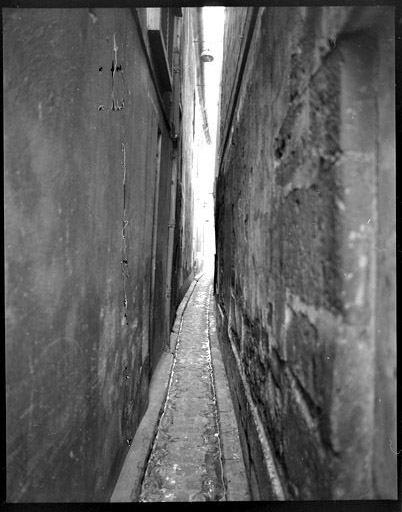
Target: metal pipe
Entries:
(196, 23)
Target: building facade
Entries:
(305, 272)
(98, 234)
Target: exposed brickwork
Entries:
(298, 218)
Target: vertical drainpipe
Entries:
(173, 184)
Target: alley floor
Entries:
(196, 453)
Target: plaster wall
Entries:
(86, 219)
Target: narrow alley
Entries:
(186, 463)
(200, 254)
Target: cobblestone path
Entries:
(185, 463)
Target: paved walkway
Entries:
(196, 454)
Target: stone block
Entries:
(307, 467)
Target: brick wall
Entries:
(306, 251)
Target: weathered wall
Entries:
(385, 300)
(184, 251)
(236, 30)
(81, 119)
(306, 250)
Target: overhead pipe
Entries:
(197, 26)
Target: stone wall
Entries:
(86, 223)
(305, 216)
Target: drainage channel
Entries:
(141, 499)
(212, 376)
(186, 462)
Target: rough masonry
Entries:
(305, 272)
